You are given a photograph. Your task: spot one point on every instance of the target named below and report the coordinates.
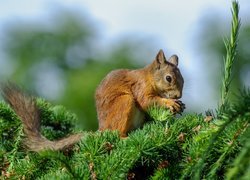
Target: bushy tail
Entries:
(26, 108)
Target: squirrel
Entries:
(122, 100)
(124, 96)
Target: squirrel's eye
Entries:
(168, 79)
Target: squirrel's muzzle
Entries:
(172, 95)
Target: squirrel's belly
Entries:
(137, 119)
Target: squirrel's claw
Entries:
(183, 106)
(175, 106)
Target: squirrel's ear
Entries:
(173, 60)
(160, 58)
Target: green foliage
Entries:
(156, 151)
(159, 113)
(231, 45)
(56, 123)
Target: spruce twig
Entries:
(227, 149)
(58, 156)
(231, 47)
(240, 163)
(13, 153)
(159, 113)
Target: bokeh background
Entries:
(60, 50)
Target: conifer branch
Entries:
(58, 156)
(17, 143)
(231, 49)
(240, 163)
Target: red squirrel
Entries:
(122, 100)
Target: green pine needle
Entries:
(158, 113)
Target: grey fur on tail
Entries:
(26, 108)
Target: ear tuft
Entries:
(160, 57)
(173, 60)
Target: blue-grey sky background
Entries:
(170, 25)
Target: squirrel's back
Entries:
(117, 80)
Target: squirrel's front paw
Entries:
(175, 106)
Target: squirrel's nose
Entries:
(177, 95)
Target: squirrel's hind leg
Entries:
(120, 116)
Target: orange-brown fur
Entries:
(123, 93)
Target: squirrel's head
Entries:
(167, 77)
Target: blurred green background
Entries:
(60, 59)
